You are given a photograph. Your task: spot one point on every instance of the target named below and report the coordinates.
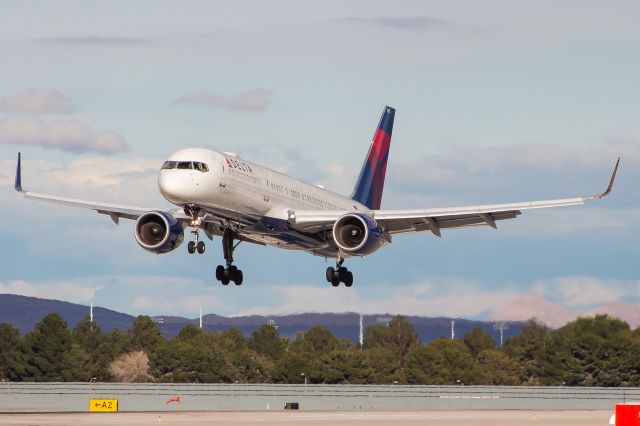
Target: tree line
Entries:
(598, 351)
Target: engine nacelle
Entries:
(357, 234)
(158, 232)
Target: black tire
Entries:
(330, 274)
(335, 283)
(191, 247)
(232, 271)
(219, 272)
(348, 282)
(343, 274)
(201, 247)
(225, 278)
(238, 278)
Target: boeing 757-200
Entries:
(221, 194)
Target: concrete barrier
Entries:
(74, 397)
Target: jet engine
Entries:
(357, 234)
(158, 232)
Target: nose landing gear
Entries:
(339, 274)
(196, 221)
(231, 272)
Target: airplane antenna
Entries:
(361, 333)
(453, 329)
(501, 326)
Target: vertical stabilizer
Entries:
(368, 190)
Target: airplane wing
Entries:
(434, 220)
(115, 211)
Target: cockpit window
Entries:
(185, 165)
(200, 166)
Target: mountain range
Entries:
(23, 312)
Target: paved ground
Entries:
(318, 418)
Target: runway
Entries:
(318, 418)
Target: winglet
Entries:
(18, 184)
(610, 186)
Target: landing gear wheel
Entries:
(329, 274)
(200, 246)
(342, 274)
(191, 247)
(348, 282)
(225, 279)
(231, 272)
(339, 274)
(219, 272)
(237, 280)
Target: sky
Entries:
(497, 101)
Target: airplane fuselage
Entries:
(230, 187)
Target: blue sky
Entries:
(496, 102)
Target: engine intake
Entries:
(158, 232)
(357, 234)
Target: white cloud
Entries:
(92, 41)
(64, 135)
(625, 311)
(400, 22)
(462, 299)
(250, 100)
(583, 291)
(37, 101)
(530, 305)
(131, 180)
(70, 291)
(134, 295)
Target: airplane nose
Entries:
(172, 187)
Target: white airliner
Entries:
(224, 195)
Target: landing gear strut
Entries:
(339, 274)
(196, 221)
(231, 272)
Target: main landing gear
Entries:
(230, 273)
(339, 274)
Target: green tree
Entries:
(399, 338)
(598, 351)
(497, 369)
(293, 367)
(244, 364)
(51, 355)
(442, 362)
(89, 337)
(478, 340)
(267, 341)
(317, 341)
(345, 366)
(11, 353)
(189, 357)
(538, 361)
(383, 366)
(144, 335)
